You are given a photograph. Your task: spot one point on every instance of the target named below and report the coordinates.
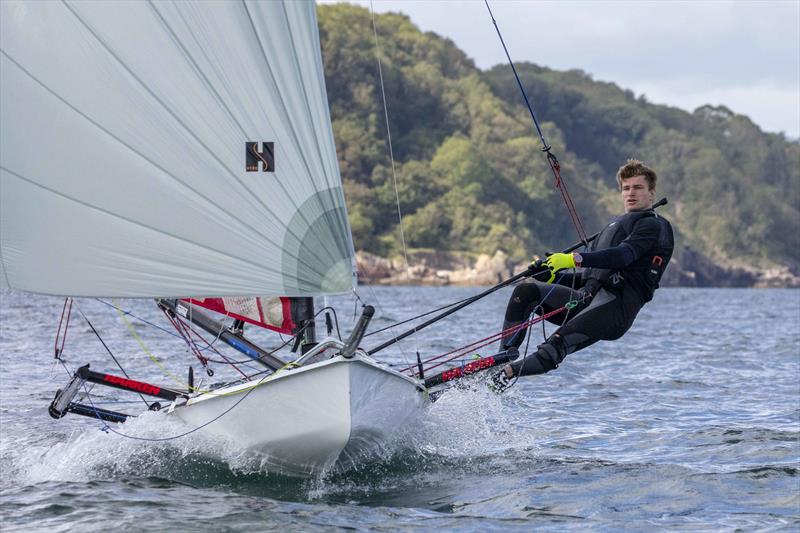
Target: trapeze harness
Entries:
(608, 299)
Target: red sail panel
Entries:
(270, 313)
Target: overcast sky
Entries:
(741, 54)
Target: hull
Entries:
(305, 421)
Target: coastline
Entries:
(435, 267)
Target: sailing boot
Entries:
(546, 358)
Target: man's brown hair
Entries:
(634, 167)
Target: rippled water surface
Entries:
(691, 421)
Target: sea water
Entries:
(691, 422)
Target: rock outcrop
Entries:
(435, 268)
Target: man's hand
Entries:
(556, 262)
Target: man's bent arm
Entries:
(642, 239)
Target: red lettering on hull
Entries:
(469, 368)
(130, 384)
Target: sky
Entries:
(742, 54)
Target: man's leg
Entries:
(525, 298)
(602, 319)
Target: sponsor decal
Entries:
(469, 368)
(130, 384)
(265, 155)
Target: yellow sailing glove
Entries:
(556, 262)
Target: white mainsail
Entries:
(123, 134)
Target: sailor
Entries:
(617, 276)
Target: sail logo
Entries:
(254, 156)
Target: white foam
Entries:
(464, 422)
(91, 453)
(470, 421)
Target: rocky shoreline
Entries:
(687, 269)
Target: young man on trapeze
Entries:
(620, 273)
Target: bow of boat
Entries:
(308, 419)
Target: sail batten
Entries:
(136, 118)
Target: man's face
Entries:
(635, 194)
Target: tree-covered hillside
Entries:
(471, 176)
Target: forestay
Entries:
(125, 131)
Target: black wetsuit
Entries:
(619, 274)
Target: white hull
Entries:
(305, 420)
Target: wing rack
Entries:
(63, 402)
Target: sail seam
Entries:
(189, 131)
(288, 121)
(123, 143)
(389, 139)
(337, 235)
(216, 95)
(60, 194)
(196, 67)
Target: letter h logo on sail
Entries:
(254, 156)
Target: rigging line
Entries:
(140, 319)
(534, 310)
(389, 138)
(545, 146)
(451, 304)
(222, 327)
(166, 372)
(551, 158)
(392, 161)
(168, 332)
(152, 357)
(107, 348)
(510, 332)
(462, 350)
(488, 340)
(390, 326)
(192, 347)
(210, 346)
(190, 330)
